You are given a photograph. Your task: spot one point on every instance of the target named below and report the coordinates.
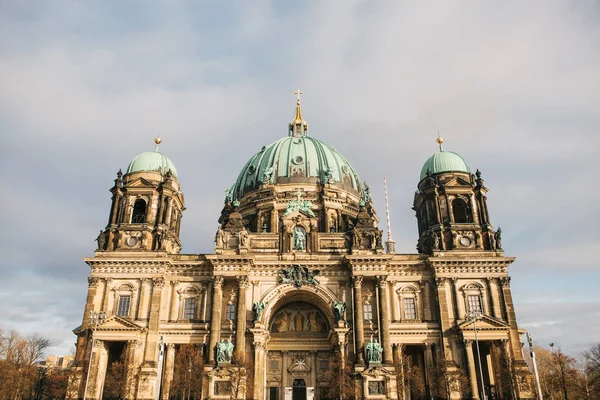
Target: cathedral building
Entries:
(303, 297)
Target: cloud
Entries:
(513, 87)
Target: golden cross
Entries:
(298, 92)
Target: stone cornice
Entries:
(473, 265)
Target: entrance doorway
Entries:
(299, 390)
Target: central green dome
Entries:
(296, 159)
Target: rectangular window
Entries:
(230, 314)
(123, 308)
(189, 308)
(474, 303)
(410, 311)
(368, 312)
(273, 393)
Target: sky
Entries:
(512, 86)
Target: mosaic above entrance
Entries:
(299, 317)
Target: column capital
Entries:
(93, 282)
(382, 281)
(159, 282)
(468, 342)
(218, 282)
(505, 282)
(170, 346)
(357, 281)
(440, 281)
(242, 282)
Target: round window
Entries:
(251, 169)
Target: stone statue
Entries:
(268, 176)
(374, 351)
(101, 239)
(298, 275)
(258, 308)
(299, 239)
(339, 307)
(436, 241)
(220, 238)
(243, 236)
(328, 175)
(228, 195)
(498, 238)
(159, 240)
(224, 351)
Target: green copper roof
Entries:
(444, 161)
(296, 159)
(152, 161)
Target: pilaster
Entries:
(215, 318)
(358, 312)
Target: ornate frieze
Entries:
(298, 275)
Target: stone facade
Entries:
(299, 283)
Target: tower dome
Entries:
(152, 161)
(444, 161)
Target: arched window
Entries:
(474, 297)
(164, 212)
(139, 212)
(461, 211)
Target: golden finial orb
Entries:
(439, 140)
(157, 140)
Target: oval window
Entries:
(251, 169)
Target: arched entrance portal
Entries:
(300, 348)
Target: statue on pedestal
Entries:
(374, 351)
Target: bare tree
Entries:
(341, 380)
(592, 370)
(115, 382)
(18, 355)
(188, 372)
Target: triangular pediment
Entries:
(457, 181)
(116, 323)
(484, 323)
(140, 182)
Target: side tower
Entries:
(147, 206)
(480, 338)
(451, 206)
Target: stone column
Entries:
(426, 291)
(106, 296)
(141, 314)
(169, 370)
(240, 334)
(444, 307)
(494, 298)
(358, 312)
(515, 342)
(259, 370)
(459, 312)
(388, 358)
(90, 301)
(153, 321)
(175, 297)
(274, 220)
(396, 304)
(429, 365)
(472, 369)
(215, 317)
